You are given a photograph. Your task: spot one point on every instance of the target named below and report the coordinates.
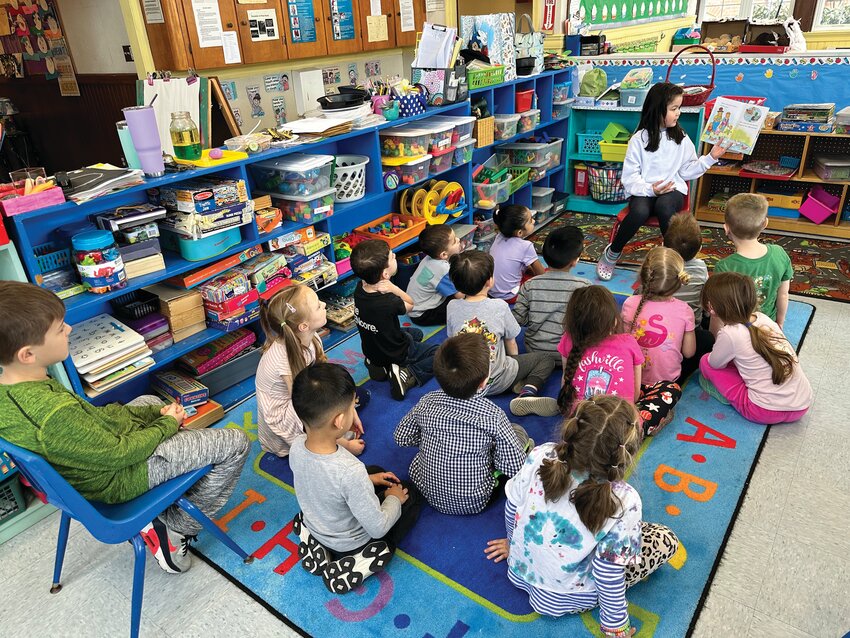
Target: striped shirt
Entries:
(691, 292)
(540, 308)
(461, 442)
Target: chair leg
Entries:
(140, 550)
(61, 545)
(212, 528)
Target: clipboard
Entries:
(436, 47)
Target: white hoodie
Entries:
(677, 163)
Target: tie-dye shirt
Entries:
(551, 548)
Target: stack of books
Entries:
(808, 118)
(184, 310)
(107, 352)
(177, 387)
(99, 179)
(137, 233)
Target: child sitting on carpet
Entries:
(598, 358)
(597, 544)
(290, 320)
(352, 517)
(463, 437)
(430, 287)
(390, 350)
(512, 252)
(541, 301)
(472, 274)
(768, 265)
(752, 365)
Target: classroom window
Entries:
(759, 10)
(832, 14)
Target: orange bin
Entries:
(414, 227)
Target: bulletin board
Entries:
(32, 43)
(599, 13)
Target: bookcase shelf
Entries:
(36, 227)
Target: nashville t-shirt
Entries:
(606, 368)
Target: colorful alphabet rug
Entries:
(691, 477)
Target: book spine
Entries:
(227, 353)
(192, 279)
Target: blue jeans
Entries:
(420, 356)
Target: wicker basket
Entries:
(695, 99)
(484, 131)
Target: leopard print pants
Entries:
(658, 544)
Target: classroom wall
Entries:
(95, 33)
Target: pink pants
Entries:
(729, 383)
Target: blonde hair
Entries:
(745, 214)
(661, 276)
(280, 318)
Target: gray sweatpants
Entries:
(534, 369)
(225, 449)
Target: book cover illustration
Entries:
(95, 339)
(735, 124)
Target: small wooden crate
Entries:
(484, 131)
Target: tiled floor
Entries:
(785, 571)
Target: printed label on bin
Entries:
(444, 143)
(321, 210)
(103, 269)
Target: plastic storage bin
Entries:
(297, 174)
(413, 226)
(561, 92)
(612, 151)
(305, 209)
(463, 151)
(12, 501)
(528, 121)
(560, 110)
(819, 205)
(463, 124)
(541, 197)
(441, 161)
(588, 143)
(440, 135)
(487, 196)
(633, 97)
(410, 170)
(522, 153)
(404, 141)
(505, 126)
(524, 100)
(832, 166)
(200, 249)
(350, 177)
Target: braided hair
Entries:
(661, 276)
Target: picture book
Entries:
(100, 338)
(95, 388)
(734, 124)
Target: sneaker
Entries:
(401, 381)
(605, 266)
(349, 572)
(711, 390)
(314, 557)
(166, 547)
(533, 404)
(667, 419)
(376, 373)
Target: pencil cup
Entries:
(141, 120)
(127, 145)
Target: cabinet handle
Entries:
(244, 23)
(317, 19)
(229, 25)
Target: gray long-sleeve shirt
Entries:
(338, 500)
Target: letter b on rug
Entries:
(684, 483)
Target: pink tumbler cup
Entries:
(141, 120)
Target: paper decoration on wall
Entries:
(768, 73)
(33, 38)
(342, 19)
(276, 83)
(814, 75)
(352, 74)
(237, 115)
(302, 26)
(373, 69)
(256, 101)
(794, 73)
(279, 109)
(263, 24)
(330, 76)
(229, 90)
(739, 77)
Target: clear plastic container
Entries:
(532, 153)
(561, 92)
(404, 141)
(297, 174)
(410, 170)
(544, 214)
(528, 121)
(487, 196)
(441, 136)
(304, 209)
(832, 166)
(441, 161)
(463, 125)
(98, 261)
(541, 197)
(463, 152)
(252, 143)
(553, 151)
(505, 126)
(560, 110)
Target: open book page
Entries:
(735, 124)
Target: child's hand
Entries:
(497, 550)
(398, 491)
(660, 187)
(384, 479)
(175, 410)
(355, 446)
(719, 149)
(385, 285)
(357, 426)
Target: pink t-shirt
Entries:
(659, 331)
(606, 368)
(512, 255)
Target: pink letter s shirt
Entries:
(659, 331)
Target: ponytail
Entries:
(595, 503)
(279, 319)
(780, 360)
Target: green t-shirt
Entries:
(101, 451)
(767, 272)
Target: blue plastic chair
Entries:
(113, 523)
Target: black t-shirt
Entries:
(376, 314)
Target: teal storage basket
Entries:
(200, 249)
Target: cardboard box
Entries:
(806, 127)
(207, 414)
(188, 331)
(179, 387)
(200, 195)
(175, 301)
(199, 275)
(711, 31)
(300, 236)
(314, 246)
(185, 319)
(783, 200)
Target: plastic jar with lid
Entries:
(98, 261)
(185, 136)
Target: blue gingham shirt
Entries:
(461, 441)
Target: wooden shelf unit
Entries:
(770, 146)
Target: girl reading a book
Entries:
(660, 160)
(290, 320)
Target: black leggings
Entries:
(641, 209)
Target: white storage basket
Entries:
(350, 177)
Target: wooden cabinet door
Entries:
(342, 22)
(213, 56)
(388, 9)
(408, 38)
(305, 28)
(264, 46)
(168, 43)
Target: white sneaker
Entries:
(169, 548)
